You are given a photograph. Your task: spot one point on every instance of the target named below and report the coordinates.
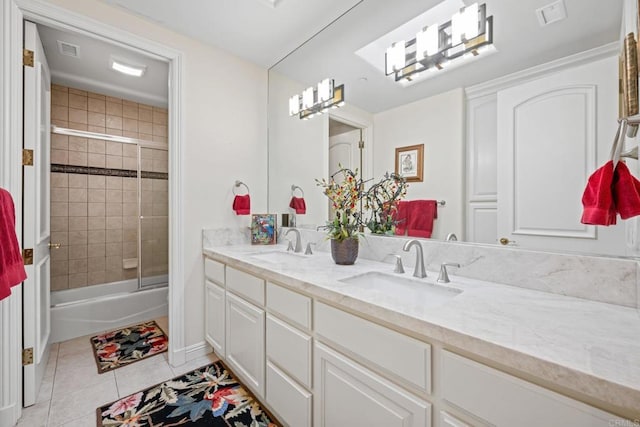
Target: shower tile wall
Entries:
(94, 216)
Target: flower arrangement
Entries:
(344, 189)
(382, 202)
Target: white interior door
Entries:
(36, 230)
(553, 133)
(344, 150)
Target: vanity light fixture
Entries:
(126, 68)
(315, 100)
(467, 34)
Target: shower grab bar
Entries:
(114, 138)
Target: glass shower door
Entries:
(154, 220)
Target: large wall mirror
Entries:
(510, 137)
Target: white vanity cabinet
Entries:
(214, 313)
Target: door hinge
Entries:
(27, 256)
(361, 144)
(27, 356)
(27, 57)
(27, 157)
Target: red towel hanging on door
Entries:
(11, 264)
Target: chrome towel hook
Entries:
(296, 187)
(238, 184)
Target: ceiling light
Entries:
(467, 34)
(551, 13)
(127, 68)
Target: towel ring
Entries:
(238, 184)
(294, 188)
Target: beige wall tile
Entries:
(114, 100)
(78, 91)
(77, 280)
(146, 153)
(97, 105)
(130, 249)
(114, 148)
(97, 236)
(130, 209)
(114, 209)
(78, 158)
(129, 150)
(114, 196)
(130, 163)
(160, 209)
(59, 268)
(146, 209)
(59, 194)
(59, 97)
(97, 129)
(130, 125)
(64, 89)
(60, 254)
(78, 266)
(78, 116)
(96, 95)
(130, 111)
(59, 283)
(146, 165)
(160, 166)
(97, 181)
(96, 209)
(96, 160)
(78, 223)
(77, 251)
(113, 162)
(59, 142)
(113, 276)
(77, 126)
(131, 273)
(78, 238)
(160, 185)
(130, 184)
(114, 182)
(97, 119)
(114, 109)
(96, 277)
(59, 179)
(160, 139)
(114, 263)
(117, 132)
(59, 209)
(78, 101)
(77, 209)
(114, 122)
(130, 134)
(96, 250)
(77, 180)
(78, 195)
(77, 144)
(147, 196)
(114, 249)
(96, 195)
(159, 117)
(114, 236)
(130, 236)
(59, 223)
(114, 223)
(145, 127)
(97, 263)
(96, 146)
(60, 157)
(145, 113)
(96, 223)
(129, 103)
(146, 136)
(59, 112)
(61, 237)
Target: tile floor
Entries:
(72, 389)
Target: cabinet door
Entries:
(214, 317)
(245, 342)
(348, 394)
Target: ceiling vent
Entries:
(68, 49)
(551, 13)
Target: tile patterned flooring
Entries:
(72, 389)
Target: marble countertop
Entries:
(586, 349)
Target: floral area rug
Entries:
(208, 396)
(122, 347)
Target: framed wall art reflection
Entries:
(263, 229)
(410, 162)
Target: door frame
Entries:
(12, 14)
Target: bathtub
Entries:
(93, 309)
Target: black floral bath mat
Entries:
(208, 396)
(122, 347)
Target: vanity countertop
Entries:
(587, 349)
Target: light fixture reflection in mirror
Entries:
(315, 101)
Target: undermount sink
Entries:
(389, 289)
(278, 257)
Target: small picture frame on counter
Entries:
(263, 229)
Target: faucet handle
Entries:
(308, 251)
(399, 268)
(443, 277)
(289, 246)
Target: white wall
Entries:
(225, 138)
(438, 123)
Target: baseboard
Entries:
(197, 350)
(9, 415)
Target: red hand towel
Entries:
(401, 217)
(298, 204)
(11, 265)
(421, 216)
(242, 204)
(598, 202)
(626, 192)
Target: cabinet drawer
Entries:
(405, 358)
(504, 400)
(289, 304)
(448, 420)
(214, 271)
(291, 402)
(246, 285)
(290, 349)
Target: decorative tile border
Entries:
(125, 173)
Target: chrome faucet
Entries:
(419, 269)
(444, 276)
(398, 269)
(298, 246)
